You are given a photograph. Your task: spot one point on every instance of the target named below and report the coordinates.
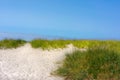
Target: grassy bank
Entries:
(49, 44)
(94, 64)
(46, 44)
(11, 43)
(101, 61)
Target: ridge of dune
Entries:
(27, 63)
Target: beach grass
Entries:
(11, 43)
(93, 64)
(100, 61)
(49, 44)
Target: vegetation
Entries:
(11, 43)
(47, 44)
(94, 64)
(101, 61)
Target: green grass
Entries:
(101, 61)
(48, 44)
(11, 43)
(94, 64)
(61, 43)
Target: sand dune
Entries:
(26, 63)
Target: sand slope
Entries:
(26, 63)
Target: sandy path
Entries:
(26, 63)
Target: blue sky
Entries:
(81, 19)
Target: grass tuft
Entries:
(94, 64)
(48, 44)
(11, 43)
(87, 44)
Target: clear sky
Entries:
(83, 19)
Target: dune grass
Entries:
(94, 64)
(11, 43)
(101, 61)
(61, 43)
(48, 44)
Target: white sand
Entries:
(26, 63)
